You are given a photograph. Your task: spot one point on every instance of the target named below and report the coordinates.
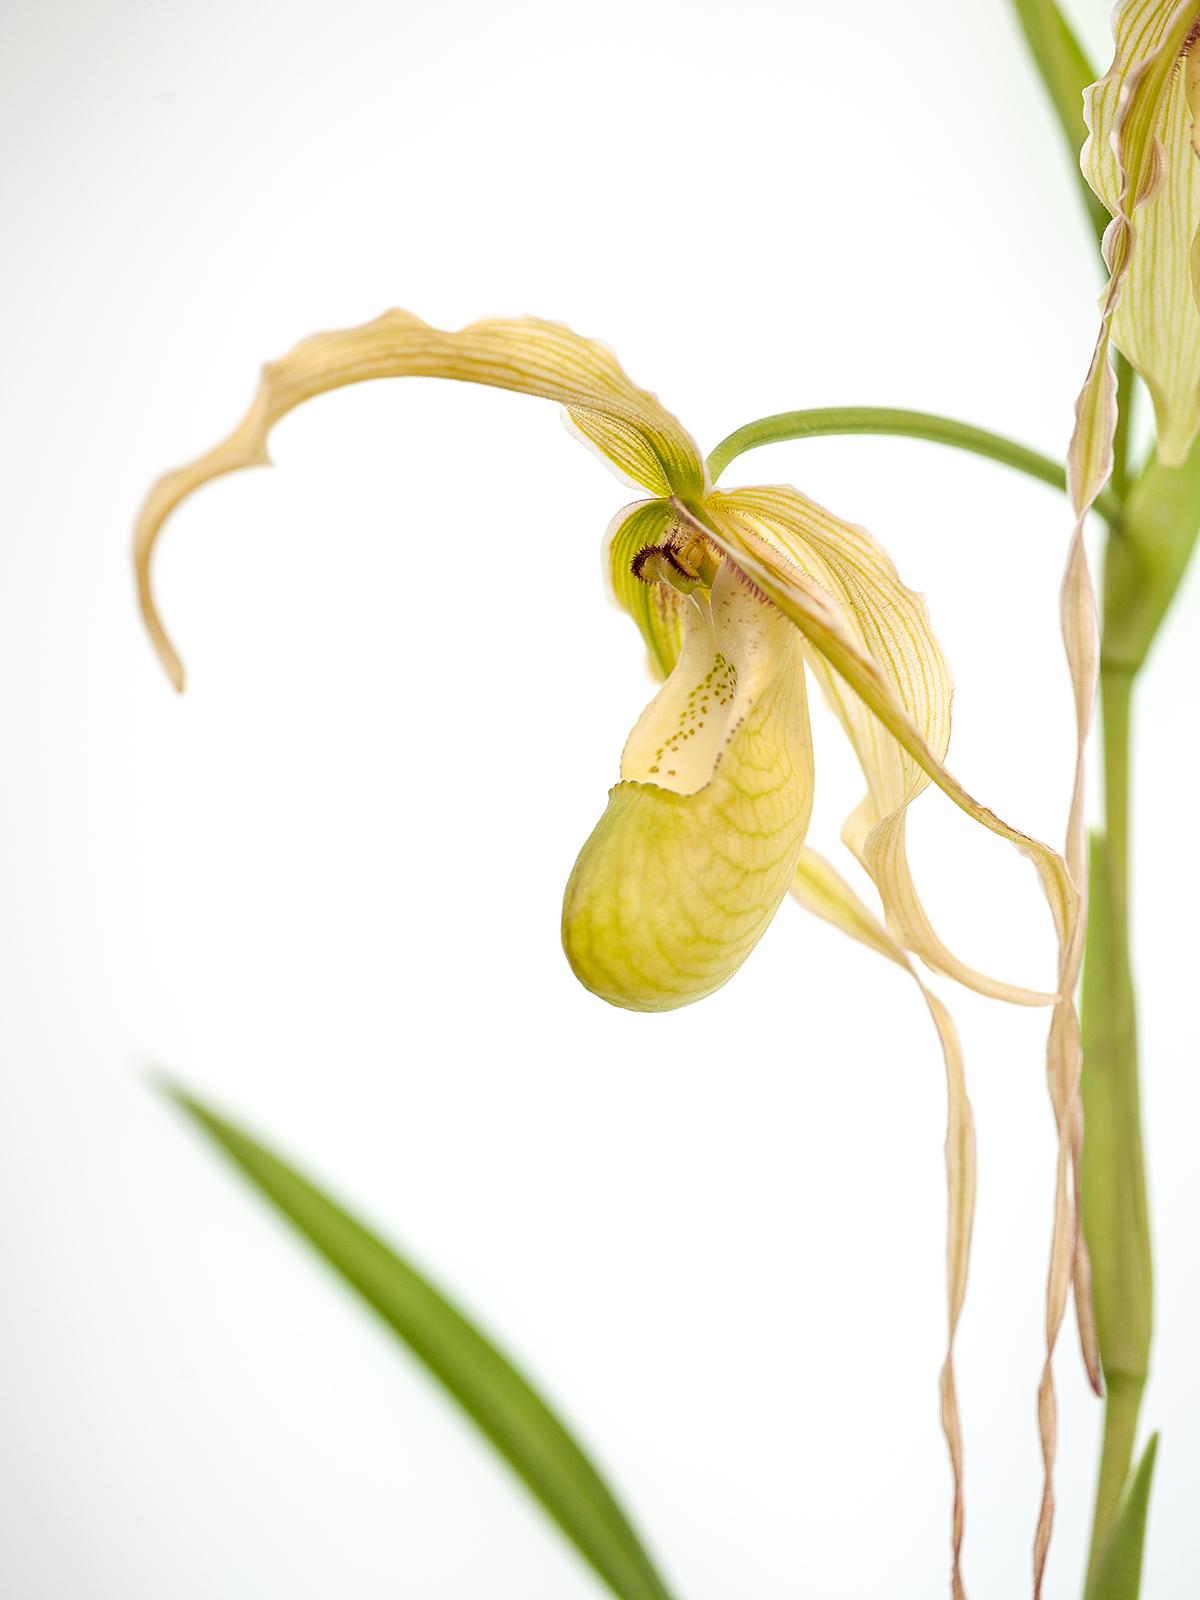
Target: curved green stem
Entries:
(906, 424)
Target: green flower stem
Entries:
(1113, 1185)
(905, 424)
(1146, 556)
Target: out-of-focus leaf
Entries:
(1066, 73)
(1119, 1574)
(490, 1390)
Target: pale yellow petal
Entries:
(689, 863)
(802, 600)
(824, 892)
(890, 624)
(624, 423)
(811, 610)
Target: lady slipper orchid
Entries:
(737, 595)
(1141, 160)
(733, 593)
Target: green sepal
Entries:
(657, 608)
(490, 1390)
(1066, 73)
(1118, 1575)
(1147, 556)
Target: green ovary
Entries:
(674, 889)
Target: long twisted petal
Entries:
(624, 424)
(826, 894)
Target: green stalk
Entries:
(1113, 1185)
(1146, 556)
(785, 425)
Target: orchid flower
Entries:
(737, 596)
(1141, 162)
(732, 592)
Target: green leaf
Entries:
(785, 425)
(1066, 73)
(490, 1390)
(1119, 1573)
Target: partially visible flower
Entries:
(736, 595)
(1141, 160)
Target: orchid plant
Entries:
(740, 597)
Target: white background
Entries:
(323, 888)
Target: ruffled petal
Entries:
(624, 424)
(888, 622)
(697, 848)
(1063, 882)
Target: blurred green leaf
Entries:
(489, 1389)
(1118, 1575)
(1066, 73)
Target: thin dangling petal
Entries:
(889, 623)
(826, 894)
(625, 424)
(823, 626)
(689, 863)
